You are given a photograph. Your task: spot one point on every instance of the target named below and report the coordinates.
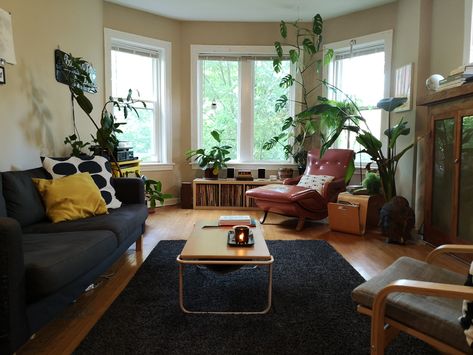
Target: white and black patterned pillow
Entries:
(98, 167)
(466, 320)
(315, 182)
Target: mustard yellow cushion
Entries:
(71, 197)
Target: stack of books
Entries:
(457, 77)
(234, 220)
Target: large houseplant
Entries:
(212, 160)
(108, 127)
(303, 52)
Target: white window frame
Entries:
(468, 33)
(164, 110)
(385, 37)
(245, 129)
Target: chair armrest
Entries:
(409, 286)
(129, 190)
(14, 330)
(331, 190)
(292, 181)
(449, 248)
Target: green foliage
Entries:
(106, 136)
(372, 183)
(386, 164)
(296, 132)
(76, 144)
(216, 158)
(153, 192)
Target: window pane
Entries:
(362, 78)
(220, 109)
(267, 122)
(139, 131)
(136, 72)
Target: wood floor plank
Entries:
(368, 255)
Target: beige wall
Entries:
(35, 109)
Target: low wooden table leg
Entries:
(139, 244)
(262, 219)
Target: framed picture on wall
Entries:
(2, 75)
(403, 86)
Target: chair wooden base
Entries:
(392, 328)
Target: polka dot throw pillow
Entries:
(315, 182)
(98, 167)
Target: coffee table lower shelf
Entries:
(183, 262)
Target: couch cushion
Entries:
(98, 167)
(3, 207)
(121, 221)
(435, 316)
(23, 201)
(71, 197)
(56, 259)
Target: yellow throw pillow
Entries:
(71, 197)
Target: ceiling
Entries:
(249, 10)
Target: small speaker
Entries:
(230, 173)
(261, 173)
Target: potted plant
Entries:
(212, 160)
(76, 144)
(153, 193)
(106, 134)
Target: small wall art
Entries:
(403, 86)
(2, 76)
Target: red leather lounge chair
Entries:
(302, 202)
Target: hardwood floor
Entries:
(368, 255)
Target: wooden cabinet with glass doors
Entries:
(449, 167)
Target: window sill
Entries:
(255, 165)
(156, 167)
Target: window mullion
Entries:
(245, 127)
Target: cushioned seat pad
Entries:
(122, 221)
(282, 193)
(435, 316)
(54, 260)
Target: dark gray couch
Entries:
(45, 266)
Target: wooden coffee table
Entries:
(207, 245)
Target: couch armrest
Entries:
(332, 189)
(292, 181)
(129, 190)
(13, 325)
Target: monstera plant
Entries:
(303, 52)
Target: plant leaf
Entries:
(216, 135)
(280, 103)
(279, 50)
(286, 81)
(391, 103)
(283, 29)
(308, 46)
(293, 55)
(328, 56)
(317, 24)
(277, 65)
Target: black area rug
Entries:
(312, 308)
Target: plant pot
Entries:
(151, 210)
(209, 174)
(397, 219)
(301, 169)
(284, 173)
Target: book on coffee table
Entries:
(234, 220)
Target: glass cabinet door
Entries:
(465, 198)
(443, 175)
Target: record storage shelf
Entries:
(225, 193)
